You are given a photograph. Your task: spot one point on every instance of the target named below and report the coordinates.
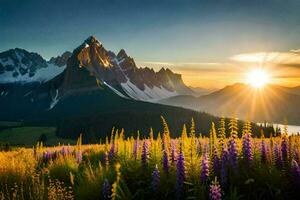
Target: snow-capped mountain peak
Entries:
(120, 73)
(88, 68)
(19, 65)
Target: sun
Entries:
(258, 78)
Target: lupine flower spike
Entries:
(145, 153)
(106, 190)
(224, 167)
(180, 175)
(166, 161)
(215, 190)
(204, 168)
(155, 179)
(295, 172)
(247, 148)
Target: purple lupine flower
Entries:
(63, 151)
(233, 153)
(295, 172)
(155, 179)
(215, 190)
(278, 157)
(79, 156)
(216, 161)
(263, 151)
(166, 161)
(173, 152)
(204, 168)
(49, 155)
(247, 148)
(284, 149)
(135, 149)
(180, 175)
(145, 153)
(106, 190)
(44, 157)
(224, 167)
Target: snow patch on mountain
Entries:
(152, 95)
(55, 100)
(6, 61)
(158, 93)
(4, 93)
(115, 90)
(41, 75)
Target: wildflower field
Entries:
(221, 166)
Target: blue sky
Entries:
(178, 31)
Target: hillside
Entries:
(272, 103)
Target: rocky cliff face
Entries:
(91, 63)
(19, 65)
(20, 62)
(61, 60)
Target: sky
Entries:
(208, 41)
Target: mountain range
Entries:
(118, 72)
(92, 89)
(89, 91)
(271, 103)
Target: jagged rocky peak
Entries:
(62, 59)
(91, 63)
(122, 54)
(92, 54)
(19, 65)
(20, 62)
(111, 54)
(92, 40)
(167, 72)
(126, 62)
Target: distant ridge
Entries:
(273, 103)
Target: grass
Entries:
(187, 167)
(29, 136)
(9, 124)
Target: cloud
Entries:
(189, 66)
(288, 76)
(285, 59)
(295, 50)
(155, 63)
(204, 67)
(176, 63)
